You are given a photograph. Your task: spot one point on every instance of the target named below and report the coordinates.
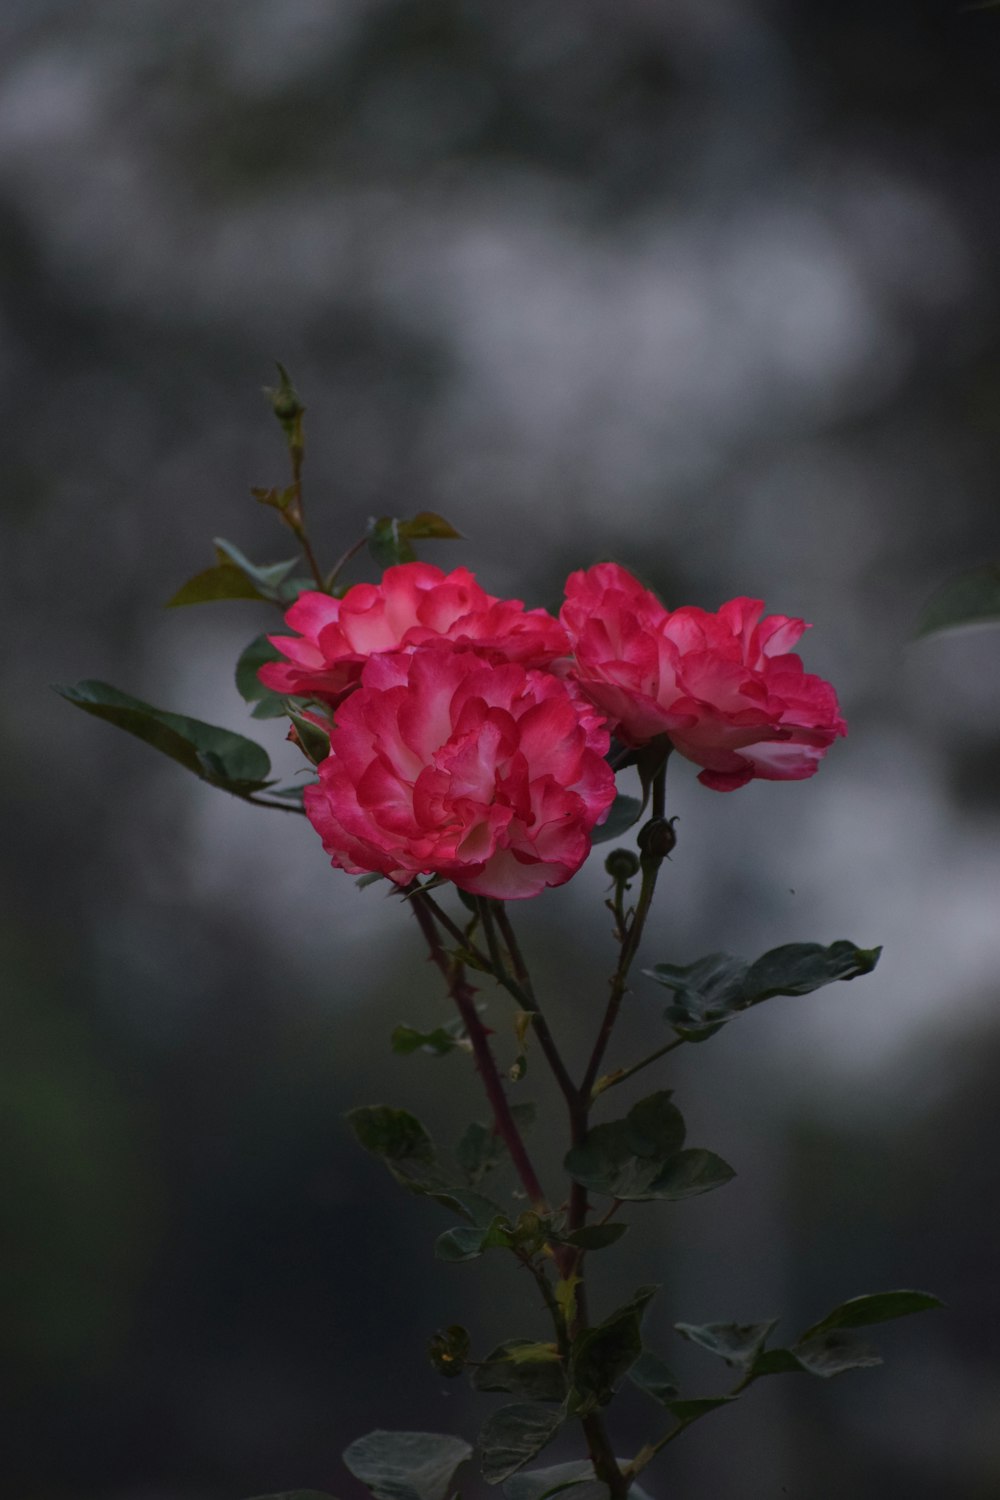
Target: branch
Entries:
(462, 993)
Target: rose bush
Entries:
(414, 603)
(725, 687)
(491, 775)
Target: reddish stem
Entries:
(463, 995)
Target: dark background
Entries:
(707, 286)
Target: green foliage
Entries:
(651, 1375)
(393, 1134)
(825, 1355)
(218, 756)
(223, 581)
(737, 1343)
(537, 1484)
(407, 1465)
(595, 1236)
(469, 1241)
(513, 1435)
(234, 576)
(971, 599)
(625, 811)
(876, 1307)
(575, 1480)
(695, 1407)
(448, 1350)
(313, 741)
(390, 539)
(825, 1349)
(267, 705)
(713, 990)
(407, 1040)
(517, 1367)
(603, 1355)
(481, 1148)
(640, 1158)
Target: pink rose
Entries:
(726, 687)
(441, 763)
(414, 603)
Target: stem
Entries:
(526, 990)
(611, 1080)
(342, 561)
(310, 558)
(650, 869)
(601, 1456)
(462, 994)
(292, 807)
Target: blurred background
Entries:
(706, 286)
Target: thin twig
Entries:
(612, 1080)
(462, 994)
(540, 1025)
(292, 807)
(341, 563)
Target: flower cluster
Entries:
(470, 734)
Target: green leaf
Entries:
(692, 1172)
(427, 524)
(713, 990)
(826, 1349)
(469, 1241)
(448, 1350)
(537, 1484)
(695, 1407)
(478, 1151)
(653, 1377)
(393, 1134)
(471, 1206)
(390, 537)
(605, 1163)
(639, 1158)
(481, 1148)
(877, 1307)
(406, 1040)
(291, 793)
(513, 1435)
(971, 599)
(575, 1480)
(595, 1236)
(314, 741)
(407, 1465)
(738, 1344)
(828, 1354)
(267, 704)
(402, 1143)
(505, 1369)
(655, 1127)
(271, 580)
(625, 811)
(223, 581)
(215, 755)
(602, 1356)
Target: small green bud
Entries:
(657, 838)
(622, 865)
(285, 401)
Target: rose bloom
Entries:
(414, 603)
(443, 763)
(725, 687)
